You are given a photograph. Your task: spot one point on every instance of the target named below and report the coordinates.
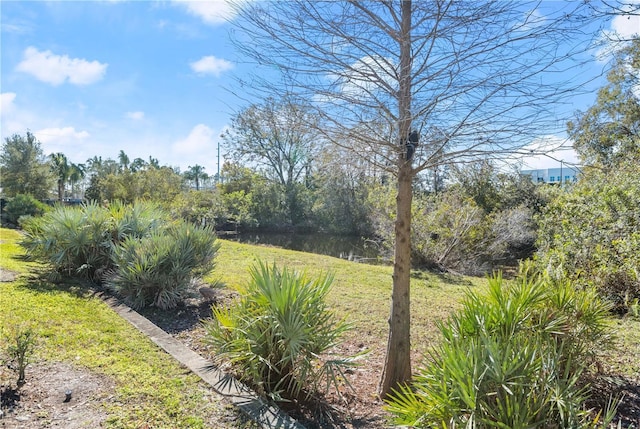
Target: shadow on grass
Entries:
(446, 278)
(41, 279)
(182, 318)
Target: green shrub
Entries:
(591, 234)
(158, 269)
(277, 335)
(142, 254)
(515, 357)
(199, 207)
(75, 241)
(79, 241)
(24, 205)
(21, 344)
(135, 220)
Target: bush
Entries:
(277, 333)
(199, 207)
(515, 357)
(24, 205)
(142, 254)
(591, 234)
(79, 241)
(158, 269)
(135, 220)
(450, 232)
(75, 241)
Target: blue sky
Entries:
(93, 78)
(151, 78)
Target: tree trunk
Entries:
(60, 190)
(397, 368)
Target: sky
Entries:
(150, 78)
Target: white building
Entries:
(562, 174)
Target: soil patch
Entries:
(56, 395)
(7, 275)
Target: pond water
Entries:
(346, 247)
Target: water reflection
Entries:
(346, 247)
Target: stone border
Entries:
(265, 414)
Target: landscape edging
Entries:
(265, 414)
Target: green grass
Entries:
(75, 327)
(626, 357)
(361, 293)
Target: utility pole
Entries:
(218, 173)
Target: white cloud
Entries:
(7, 106)
(626, 26)
(198, 141)
(532, 19)
(623, 28)
(212, 12)
(15, 119)
(136, 116)
(16, 27)
(364, 76)
(211, 65)
(199, 147)
(56, 69)
(60, 135)
(548, 152)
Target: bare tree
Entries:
(277, 136)
(273, 135)
(417, 84)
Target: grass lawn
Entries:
(361, 293)
(151, 389)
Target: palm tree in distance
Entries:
(61, 168)
(124, 160)
(76, 174)
(196, 173)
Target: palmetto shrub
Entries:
(515, 357)
(277, 335)
(75, 241)
(158, 269)
(137, 249)
(135, 220)
(79, 241)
